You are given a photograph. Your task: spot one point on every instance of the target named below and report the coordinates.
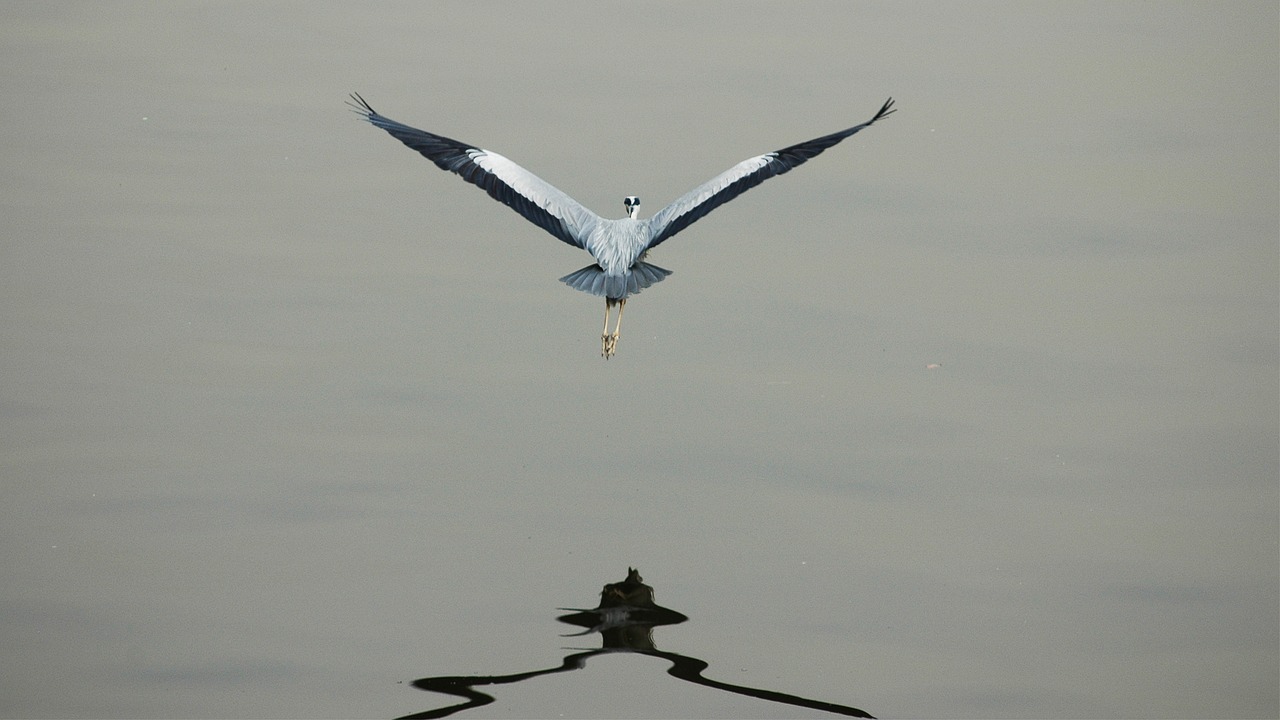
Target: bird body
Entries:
(617, 245)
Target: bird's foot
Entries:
(608, 345)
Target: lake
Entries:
(975, 415)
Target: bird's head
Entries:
(632, 204)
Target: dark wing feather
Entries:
(695, 204)
(508, 183)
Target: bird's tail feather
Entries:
(592, 279)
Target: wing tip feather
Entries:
(361, 107)
(886, 109)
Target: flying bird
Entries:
(618, 245)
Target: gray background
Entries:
(290, 417)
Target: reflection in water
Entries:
(625, 620)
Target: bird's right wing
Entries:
(537, 200)
(695, 204)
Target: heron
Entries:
(619, 246)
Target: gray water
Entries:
(291, 419)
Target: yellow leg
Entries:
(608, 342)
(617, 328)
(605, 345)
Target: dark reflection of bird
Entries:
(618, 245)
(626, 615)
(625, 619)
(631, 591)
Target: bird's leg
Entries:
(617, 328)
(609, 342)
(606, 347)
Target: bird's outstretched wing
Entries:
(695, 204)
(537, 200)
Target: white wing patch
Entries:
(577, 220)
(695, 197)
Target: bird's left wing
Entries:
(695, 204)
(538, 201)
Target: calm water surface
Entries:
(291, 419)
